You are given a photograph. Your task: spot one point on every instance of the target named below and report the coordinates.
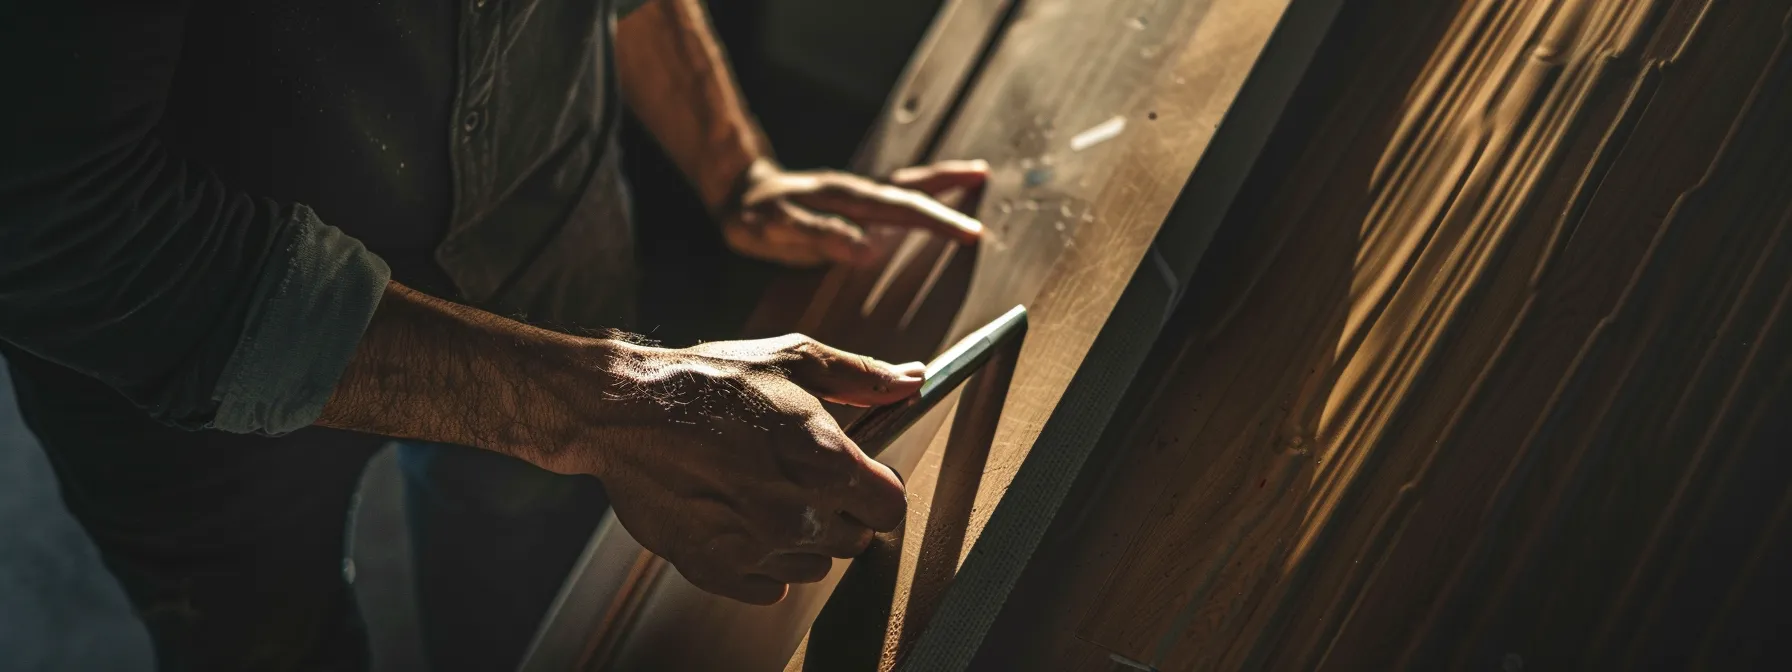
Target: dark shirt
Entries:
(200, 203)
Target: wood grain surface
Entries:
(621, 608)
(1092, 115)
(1493, 374)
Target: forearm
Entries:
(675, 77)
(438, 371)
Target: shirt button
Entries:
(471, 122)
(479, 4)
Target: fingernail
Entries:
(972, 227)
(912, 370)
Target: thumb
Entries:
(857, 380)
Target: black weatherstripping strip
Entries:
(991, 41)
(1033, 499)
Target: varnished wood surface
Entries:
(905, 134)
(622, 608)
(1493, 375)
(1068, 224)
(855, 631)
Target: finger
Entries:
(849, 378)
(816, 526)
(832, 238)
(864, 494)
(874, 496)
(795, 567)
(750, 588)
(943, 176)
(867, 202)
(752, 241)
(827, 532)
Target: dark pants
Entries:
(232, 547)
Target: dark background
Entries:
(815, 73)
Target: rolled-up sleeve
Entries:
(119, 258)
(308, 312)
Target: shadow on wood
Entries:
(851, 630)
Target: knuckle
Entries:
(797, 343)
(807, 350)
(843, 463)
(828, 463)
(836, 183)
(867, 363)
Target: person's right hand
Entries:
(721, 459)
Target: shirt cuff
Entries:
(311, 307)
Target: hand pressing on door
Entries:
(812, 218)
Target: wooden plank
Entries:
(1065, 444)
(1359, 76)
(1189, 75)
(590, 624)
(1093, 117)
(927, 94)
(854, 631)
(1481, 378)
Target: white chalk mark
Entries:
(811, 526)
(1098, 134)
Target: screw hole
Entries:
(909, 109)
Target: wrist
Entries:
(747, 173)
(433, 370)
(560, 401)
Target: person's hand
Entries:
(812, 218)
(719, 458)
(724, 462)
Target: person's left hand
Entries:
(813, 218)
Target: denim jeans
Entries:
(493, 537)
